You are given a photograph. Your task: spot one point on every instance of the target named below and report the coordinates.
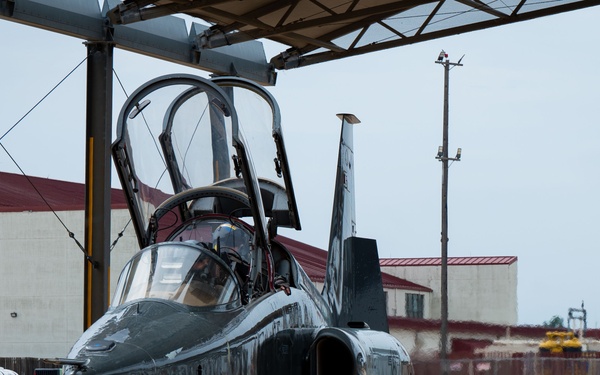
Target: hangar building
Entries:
(41, 274)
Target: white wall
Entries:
(423, 344)
(41, 279)
(420, 344)
(482, 293)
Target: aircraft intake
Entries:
(357, 351)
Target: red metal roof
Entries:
(312, 259)
(452, 261)
(17, 193)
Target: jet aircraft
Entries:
(212, 291)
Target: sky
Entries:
(523, 108)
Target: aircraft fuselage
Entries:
(145, 337)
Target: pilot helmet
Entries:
(232, 237)
(228, 235)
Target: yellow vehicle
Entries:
(560, 342)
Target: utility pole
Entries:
(442, 156)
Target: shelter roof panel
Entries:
(317, 31)
(312, 31)
(454, 13)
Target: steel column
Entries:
(97, 180)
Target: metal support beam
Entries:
(167, 38)
(97, 180)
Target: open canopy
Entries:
(183, 150)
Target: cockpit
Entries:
(204, 262)
(187, 273)
(228, 238)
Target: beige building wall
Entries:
(482, 293)
(41, 279)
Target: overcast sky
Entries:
(523, 108)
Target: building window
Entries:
(414, 305)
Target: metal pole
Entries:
(97, 180)
(444, 158)
(444, 291)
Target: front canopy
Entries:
(181, 272)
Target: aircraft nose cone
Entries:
(142, 338)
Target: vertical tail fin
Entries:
(343, 220)
(353, 287)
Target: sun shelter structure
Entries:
(322, 30)
(225, 40)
